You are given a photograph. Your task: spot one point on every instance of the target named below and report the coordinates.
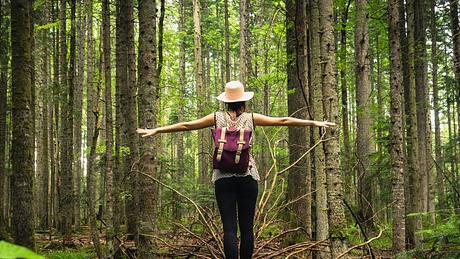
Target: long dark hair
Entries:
(238, 107)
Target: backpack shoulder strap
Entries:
(215, 120)
(253, 124)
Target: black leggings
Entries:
(241, 192)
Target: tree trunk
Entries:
(127, 87)
(202, 136)
(336, 215)
(456, 47)
(243, 41)
(22, 142)
(66, 186)
(414, 223)
(396, 109)
(148, 84)
(349, 174)
(436, 107)
(78, 115)
(322, 227)
(3, 108)
(299, 178)
(177, 211)
(108, 122)
(227, 42)
(42, 154)
(90, 181)
(363, 119)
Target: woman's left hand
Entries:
(147, 132)
(325, 124)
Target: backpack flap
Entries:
(231, 152)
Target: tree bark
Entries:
(227, 42)
(66, 81)
(78, 115)
(322, 227)
(363, 119)
(202, 136)
(3, 109)
(243, 41)
(299, 178)
(108, 122)
(22, 142)
(336, 215)
(436, 107)
(148, 84)
(396, 109)
(414, 223)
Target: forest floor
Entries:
(51, 245)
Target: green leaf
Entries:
(48, 26)
(8, 250)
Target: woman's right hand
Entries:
(147, 132)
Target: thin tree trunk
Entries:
(227, 42)
(322, 227)
(414, 223)
(336, 215)
(3, 108)
(202, 151)
(396, 109)
(349, 187)
(177, 210)
(299, 178)
(22, 142)
(243, 41)
(456, 47)
(363, 91)
(108, 122)
(78, 116)
(437, 128)
(148, 84)
(66, 134)
(90, 181)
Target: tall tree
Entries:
(344, 91)
(3, 109)
(128, 110)
(414, 223)
(336, 215)
(363, 119)
(227, 42)
(78, 114)
(243, 41)
(148, 84)
(22, 142)
(322, 227)
(108, 121)
(180, 110)
(202, 136)
(436, 107)
(397, 133)
(299, 178)
(456, 47)
(421, 96)
(66, 85)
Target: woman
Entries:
(236, 194)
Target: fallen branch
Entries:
(359, 245)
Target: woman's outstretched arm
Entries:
(204, 122)
(262, 120)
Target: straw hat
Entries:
(234, 92)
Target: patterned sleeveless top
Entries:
(243, 121)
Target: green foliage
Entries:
(8, 250)
(440, 240)
(71, 254)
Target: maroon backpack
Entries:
(232, 146)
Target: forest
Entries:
(78, 77)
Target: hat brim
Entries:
(246, 97)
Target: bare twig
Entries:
(359, 245)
